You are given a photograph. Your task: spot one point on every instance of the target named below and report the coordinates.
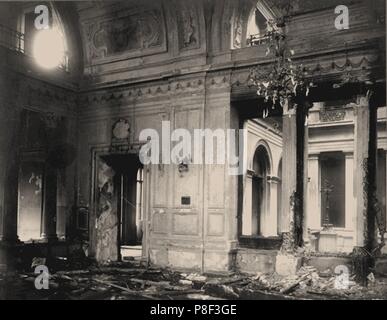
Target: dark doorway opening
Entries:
(128, 183)
(333, 189)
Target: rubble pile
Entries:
(131, 281)
(116, 281)
(309, 283)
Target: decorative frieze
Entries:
(333, 115)
(44, 95)
(165, 89)
(318, 68)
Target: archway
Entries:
(260, 190)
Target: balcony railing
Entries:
(256, 40)
(11, 39)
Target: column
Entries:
(247, 222)
(295, 137)
(62, 205)
(350, 200)
(49, 204)
(365, 168)
(293, 190)
(313, 213)
(303, 151)
(289, 176)
(9, 201)
(9, 166)
(271, 221)
(295, 142)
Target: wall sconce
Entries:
(183, 167)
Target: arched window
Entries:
(261, 170)
(48, 46)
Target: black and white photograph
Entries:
(206, 151)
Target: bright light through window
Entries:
(48, 49)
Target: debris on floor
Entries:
(131, 281)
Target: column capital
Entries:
(249, 173)
(273, 179)
(349, 155)
(362, 101)
(314, 156)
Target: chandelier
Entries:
(283, 82)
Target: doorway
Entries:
(30, 201)
(333, 189)
(130, 211)
(128, 197)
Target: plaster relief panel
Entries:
(133, 32)
(188, 25)
(237, 39)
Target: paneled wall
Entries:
(201, 234)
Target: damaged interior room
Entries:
(181, 149)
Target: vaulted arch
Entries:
(69, 18)
(262, 150)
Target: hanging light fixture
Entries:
(284, 80)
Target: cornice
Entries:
(160, 90)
